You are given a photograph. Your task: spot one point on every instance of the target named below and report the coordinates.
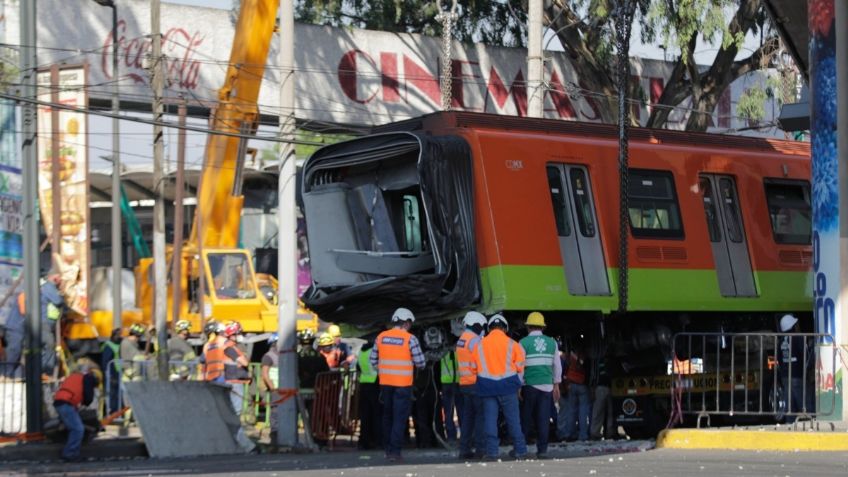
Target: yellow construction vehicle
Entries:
(218, 280)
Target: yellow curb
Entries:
(752, 440)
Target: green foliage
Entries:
(751, 104)
(270, 155)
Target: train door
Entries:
(727, 235)
(579, 238)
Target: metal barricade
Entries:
(748, 374)
(334, 405)
(12, 399)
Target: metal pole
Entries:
(29, 158)
(177, 257)
(117, 243)
(287, 235)
(160, 279)
(534, 60)
(55, 184)
(842, 160)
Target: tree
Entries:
(585, 28)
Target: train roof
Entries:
(454, 119)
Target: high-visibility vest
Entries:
(116, 353)
(367, 373)
(395, 366)
(449, 374)
(499, 357)
(215, 358)
(22, 303)
(71, 390)
(465, 349)
(333, 357)
(540, 351)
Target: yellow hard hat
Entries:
(326, 340)
(334, 331)
(535, 319)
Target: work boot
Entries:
(467, 455)
(515, 456)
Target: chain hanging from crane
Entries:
(622, 15)
(447, 18)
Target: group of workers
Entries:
(495, 376)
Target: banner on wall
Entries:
(11, 249)
(71, 255)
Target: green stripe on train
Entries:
(529, 287)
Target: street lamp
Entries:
(117, 282)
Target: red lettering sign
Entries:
(178, 46)
(500, 93)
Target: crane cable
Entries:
(447, 18)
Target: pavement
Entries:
(634, 459)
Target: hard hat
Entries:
(473, 318)
(498, 320)
(210, 327)
(433, 338)
(182, 325)
(273, 338)
(334, 331)
(535, 319)
(137, 329)
(326, 340)
(402, 314)
(787, 322)
(233, 328)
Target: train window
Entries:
(731, 210)
(713, 224)
(789, 211)
(558, 200)
(582, 202)
(412, 224)
(653, 207)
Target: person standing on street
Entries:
(396, 354)
(180, 353)
(236, 376)
(77, 389)
(602, 415)
(451, 398)
(542, 375)
(110, 355)
(52, 304)
(471, 431)
(370, 415)
(576, 408)
(213, 352)
(132, 356)
(270, 370)
(500, 363)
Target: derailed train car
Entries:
(454, 211)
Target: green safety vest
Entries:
(540, 351)
(449, 370)
(116, 353)
(367, 373)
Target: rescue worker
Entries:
(575, 404)
(180, 353)
(270, 371)
(471, 415)
(451, 398)
(235, 374)
(331, 353)
(370, 415)
(602, 423)
(52, 304)
(110, 356)
(424, 392)
(500, 363)
(542, 375)
(396, 354)
(792, 357)
(336, 333)
(214, 332)
(77, 389)
(132, 357)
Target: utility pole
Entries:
(29, 158)
(287, 234)
(177, 256)
(117, 243)
(534, 60)
(160, 279)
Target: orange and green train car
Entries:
(717, 224)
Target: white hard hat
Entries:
(402, 314)
(473, 318)
(787, 322)
(498, 319)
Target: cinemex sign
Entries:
(348, 76)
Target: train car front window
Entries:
(789, 211)
(653, 208)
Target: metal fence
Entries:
(748, 374)
(334, 409)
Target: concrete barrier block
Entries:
(184, 418)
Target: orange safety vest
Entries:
(465, 348)
(22, 303)
(333, 357)
(71, 390)
(215, 357)
(576, 372)
(395, 366)
(499, 357)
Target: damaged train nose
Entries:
(390, 222)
